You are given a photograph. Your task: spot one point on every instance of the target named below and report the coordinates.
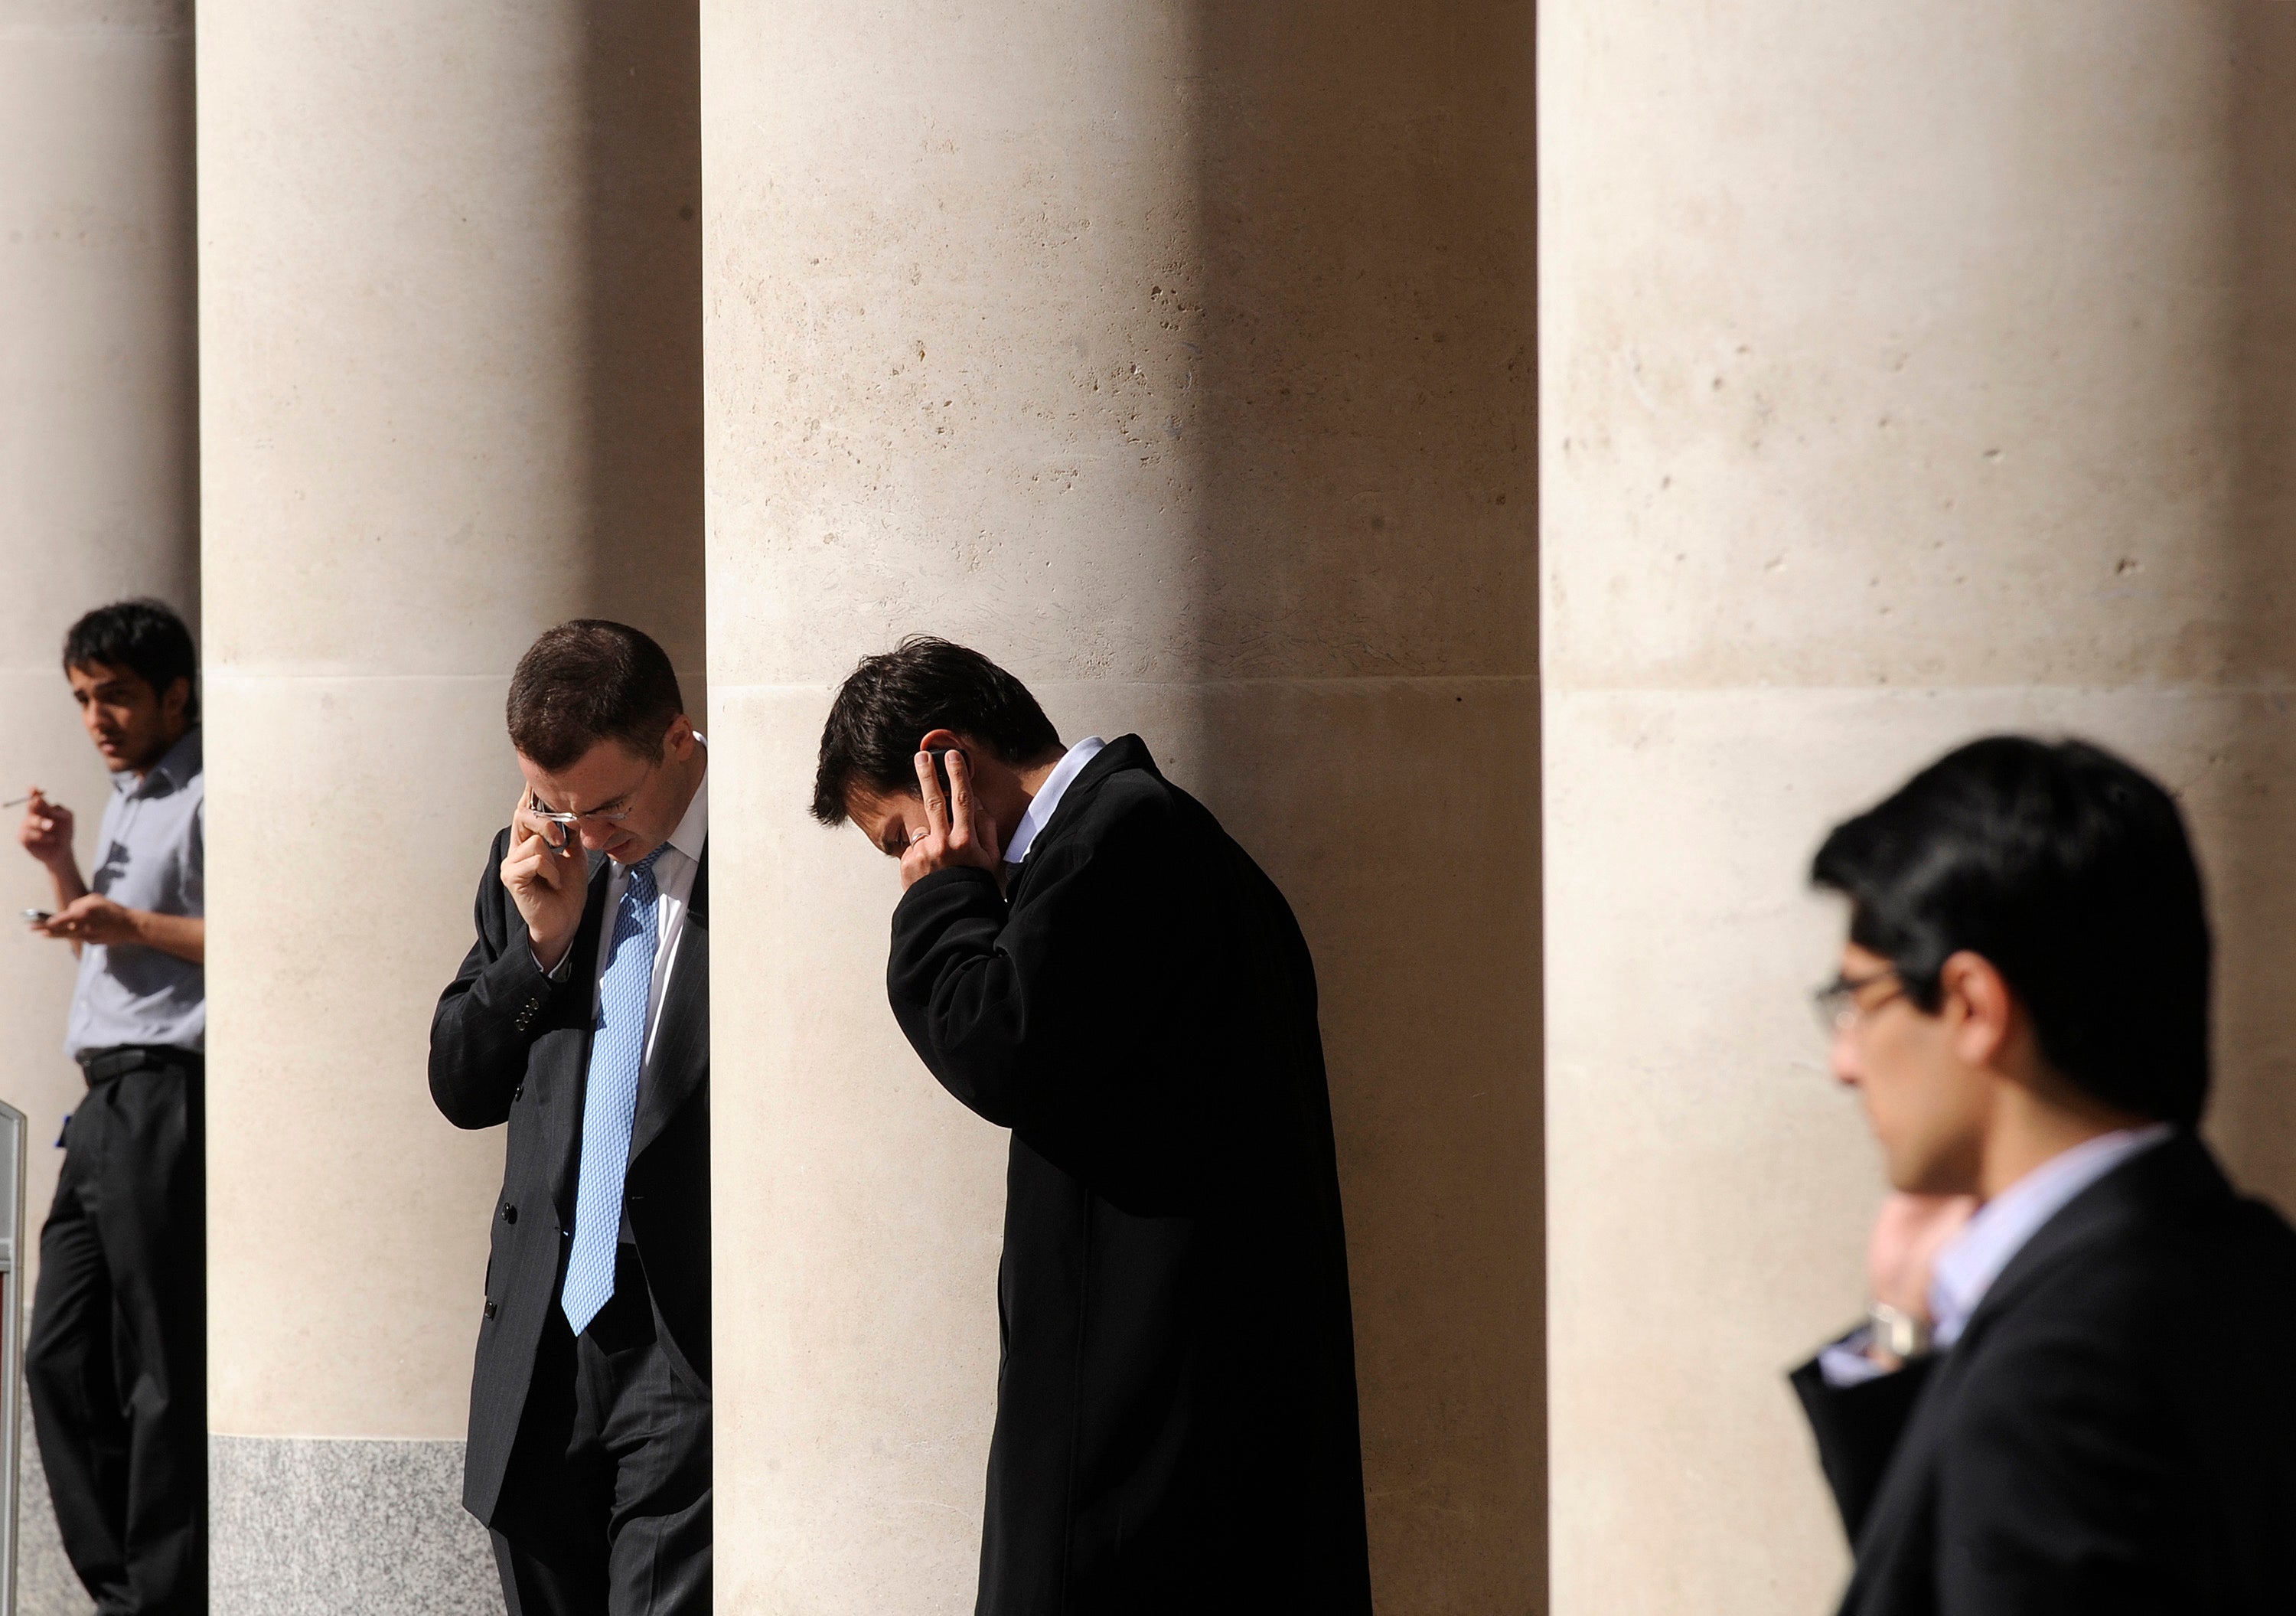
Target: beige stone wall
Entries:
(1909, 375)
(98, 468)
(450, 395)
(1179, 359)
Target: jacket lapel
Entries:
(1126, 751)
(681, 1050)
(570, 1057)
(2176, 1172)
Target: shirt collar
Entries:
(171, 773)
(693, 829)
(1047, 800)
(1973, 1259)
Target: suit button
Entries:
(491, 1310)
(518, 1094)
(510, 1214)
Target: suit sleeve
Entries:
(1857, 1428)
(1044, 1017)
(2053, 1493)
(483, 1025)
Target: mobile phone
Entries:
(39, 914)
(566, 822)
(940, 755)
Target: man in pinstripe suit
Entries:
(581, 1018)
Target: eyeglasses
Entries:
(1837, 1004)
(572, 821)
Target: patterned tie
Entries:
(616, 1053)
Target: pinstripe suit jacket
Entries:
(509, 1044)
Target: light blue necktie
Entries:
(610, 1102)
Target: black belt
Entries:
(103, 1065)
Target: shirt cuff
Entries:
(564, 968)
(1845, 1364)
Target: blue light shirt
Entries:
(151, 848)
(1973, 1260)
(1046, 802)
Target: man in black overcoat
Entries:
(1083, 956)
(2073, 1391)
(581, 1018)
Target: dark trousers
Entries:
(605, 1509)
(117, 1365)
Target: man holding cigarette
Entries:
(117, 1362)
(581, 1018)
(1081, 955)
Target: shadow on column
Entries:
(1366, 612)
(643, 257)
(2252, 869)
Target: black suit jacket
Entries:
(1175, 1420)
(509, 1044)
(2115, 1432)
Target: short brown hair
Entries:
(589, 681)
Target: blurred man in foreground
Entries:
(1083, 956)
(2073, 1393)
(117, 1363)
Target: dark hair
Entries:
(894, 700)
(143, 636)
(589, 681)
(2070, 871)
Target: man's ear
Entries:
(935, 740)
(176, 699)
(1987, 1007)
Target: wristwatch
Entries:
(1898, 1333)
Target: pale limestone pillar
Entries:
(1909, 373)
(449, 285)
(98, 475)
(1179, 359)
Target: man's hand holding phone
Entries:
(92, 918)
(548, 878)
(955, 831)
(1902, 1255)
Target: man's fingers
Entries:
(960, 790)
(915, 864)
(522, 867)
(528, 826)
(929, 788)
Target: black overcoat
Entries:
(510, 1044)
(2115, 1432)
(1176, 1419)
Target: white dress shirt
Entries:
(1046, 802)
(673, 880)
(1970, 1262)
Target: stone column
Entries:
(1178, 359)
(1908, 374)
(98, 478)
(450, 395)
